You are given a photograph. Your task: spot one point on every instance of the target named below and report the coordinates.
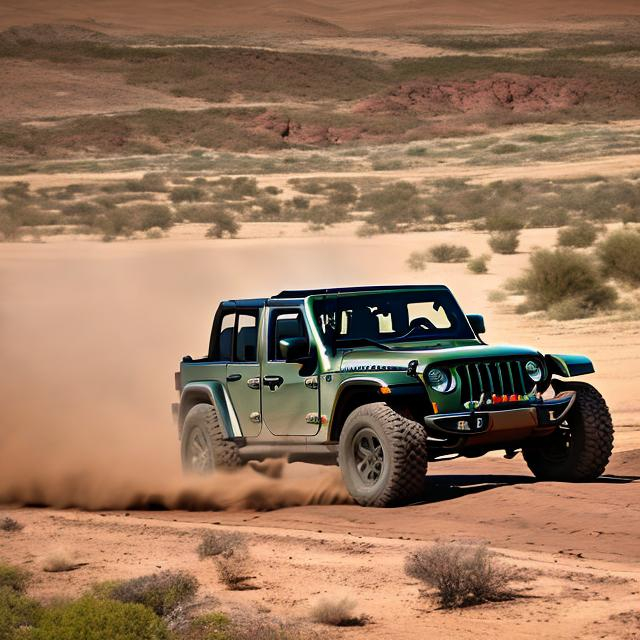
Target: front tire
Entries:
(204, 447)
(580, 448)
(382, 456)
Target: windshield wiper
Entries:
(360, 341)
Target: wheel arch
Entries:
(568, 366)
(213, 393)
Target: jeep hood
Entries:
(371, 358)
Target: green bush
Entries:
(556, 276)
(152, 215)
(479, 264)
(619, 253)
(271, 209)
(582, 234)
(326, 214)
(301, 203)
(272, 191)
(506, 220)
(342, 193)
(447, 253)
(14, 578)
(95, 619)
(504, 242)
(17, 614)
(161, 592)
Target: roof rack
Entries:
(303, 293)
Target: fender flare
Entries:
(215, 394)
(568, 366)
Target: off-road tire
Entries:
(202, 423)
(404, 446)
(590, 444)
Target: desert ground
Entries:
(156, 161)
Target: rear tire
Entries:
(579, 450)
(382, 456)
(204, 447)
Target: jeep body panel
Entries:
(568, 366)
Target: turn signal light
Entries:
(385, 391)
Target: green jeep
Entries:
(381, 380)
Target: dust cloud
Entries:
(90, 335)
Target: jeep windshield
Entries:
(383, 318)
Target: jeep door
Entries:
(239, 344)
(290, 399)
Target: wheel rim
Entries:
(199, 456)
(368, 455)
(559, 447)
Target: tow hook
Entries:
(510, 454)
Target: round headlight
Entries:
(534, 370)
(441, 380)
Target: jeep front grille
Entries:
(502, 377)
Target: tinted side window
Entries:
(284, 324)
(246, 345)
(225, 338)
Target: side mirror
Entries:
(477, 323)
(294, 349)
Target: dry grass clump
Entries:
(479, 264)
(10, 525)
(231, 555)
(447, 253)
(219, 626)
(504, 242)
(59, 561)
(337, 612)
(162, 592)
(462, 575)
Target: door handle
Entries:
(234, 377)
(253, 383)
(273, 382)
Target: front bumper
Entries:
(505, 416)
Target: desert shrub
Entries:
(447, 253)
(9, 224)
(394, 207)
(218, 626)
(547, 216)
(272, 191)
(312, 187)
(301, 203)
(417, 260)
(151, 215)
(231, 555)
(58, 561)
(554, 277)
(337, 612)
(115, 222)
(479, 264)
(416, 151)
(326, 214)
(13, 578)
(504, 242)
(236, 188)
(581, 234)
(95, 619)
(271, 209)
(150, 182)
(187, 194)
(17, 614)
(619, 253)
(18, 191)
(342, 193)
(223, 223)
(216, 543)
(505, 220)
(461, 575)
(501, 149)
(162, 592)
(10, 525)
